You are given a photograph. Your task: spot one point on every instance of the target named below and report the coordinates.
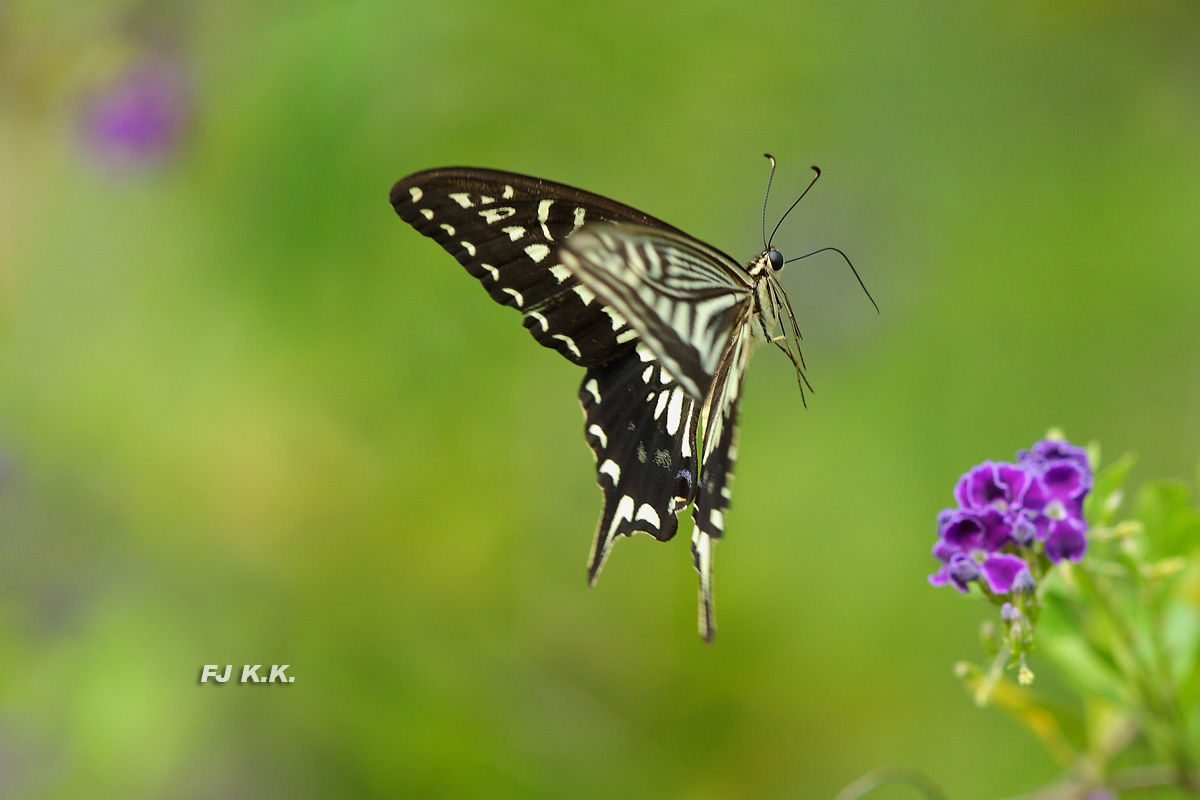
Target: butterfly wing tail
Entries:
(702, 545)
(717, 456)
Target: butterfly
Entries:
(662, 323)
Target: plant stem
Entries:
(884, 775)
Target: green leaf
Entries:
(1182, 634)
(1060, 638)
(1181, 638)
(1172, 525)
(1097, 507)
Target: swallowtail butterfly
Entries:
(662, 322)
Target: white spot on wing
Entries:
(646, 375)
(560, 272)
(610, 468)
(593, 388)
(645, 512)
(494, 215)
(717, 519)
(516, 296)
(425, 212)
(618, 321)
(416, 193)
(485, 200)
(579, 212)
(495, 273)
(541, 319)
(514, 232)
(508, 192)
(449, 229)
(537, 252)
(626, 336)
(598, 432)
(686, 443)
(543, 216)
(585, 294)
(470, 248)
(663, 397)
(570, 343)
(462, 198)
(674, 410)
(624, 512)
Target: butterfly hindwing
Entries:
(641, 426)
(506, 230)
(718, 452)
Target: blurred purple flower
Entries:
(1049, 451)
(1004, 510)
(992, 485)
(141, 115)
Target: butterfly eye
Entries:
(776, 259)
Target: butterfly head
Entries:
(776, 259)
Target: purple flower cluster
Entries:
(141, 116)
(1007, 512)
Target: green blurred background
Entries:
(249, 416)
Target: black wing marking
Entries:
(681, 296)
(506, 229)
(641, 426)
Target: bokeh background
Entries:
(248, 416)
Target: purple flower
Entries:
(1005, 510)
(1003, 573)
(958, 572)
(992, 485)
(1049, 451)
(1062, 479)
(1066, 539)
(141, 115)
(1006, 573)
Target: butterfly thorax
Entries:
(769, 297)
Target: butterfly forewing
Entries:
(506, 229)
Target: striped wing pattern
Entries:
(661, 321)
(682, 297)
(718, 419)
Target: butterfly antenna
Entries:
(817, 170)
(767, 196)
(852, 269)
